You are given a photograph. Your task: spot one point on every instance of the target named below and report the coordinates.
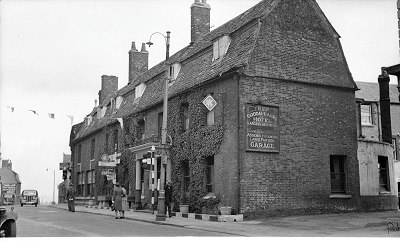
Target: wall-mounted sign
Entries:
(209, 102)
(262, 128)
(9, 187)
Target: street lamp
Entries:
(161, 197)
(54, 183)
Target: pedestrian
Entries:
(117, 200)
(71, 197)
(168, 198)
(124, 202)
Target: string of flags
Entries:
(50, 115)
(71, 117)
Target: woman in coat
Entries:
(117, 199)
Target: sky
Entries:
(54, 52)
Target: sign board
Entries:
(110, 161)
(9, 187)
(262, 128)
(209, 102)
(108, 172)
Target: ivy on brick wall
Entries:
(125, 170)
(193, 145)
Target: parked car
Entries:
(8, 224)
(29, 197)
(8, 199)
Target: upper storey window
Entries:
(366, 115)
(221, 46)
(174, 70)
(139, 90)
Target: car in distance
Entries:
(8, 224)
(29, 197)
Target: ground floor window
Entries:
(383, 173)
(210, 174)
(338, 174)
(185, 176)
(79, 188)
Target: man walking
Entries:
(71, 197)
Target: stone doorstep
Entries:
(205, 217)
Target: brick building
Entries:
(281, 137)
(10, 182)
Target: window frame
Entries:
(115, 140)
(185, 177)
(185, 117)
(220, 47)
(92, 148)
(210, 176)
(338, 185)
(368, 115)
(80, 153)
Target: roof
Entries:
(369, 91)
(292, 53)
(9, 176)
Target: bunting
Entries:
(70, 117)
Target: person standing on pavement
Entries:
(168, 198)
(71, 197)
(124, 205)
(117, 200)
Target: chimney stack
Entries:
(384, 100)
(200, 19)
(109, 85)
(138, 62)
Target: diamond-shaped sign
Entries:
(209, 102)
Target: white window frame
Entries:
(220, 47)
(174, 70)
(366, 117)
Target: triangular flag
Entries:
(12, 108)
(51, 115)
(34, 112)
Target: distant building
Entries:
(10, 182)
(63, 185)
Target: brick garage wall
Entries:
(315, 122)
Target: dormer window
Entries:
(139, 90)
(220, 47)
(174, 70)
(118, 102)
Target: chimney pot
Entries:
(133, 48)
(143, 48)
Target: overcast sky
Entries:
(53, 54)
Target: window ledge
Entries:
(339, 196)
(385, 193)
(367, 125)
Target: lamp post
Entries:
(54, 183)
(161, 197)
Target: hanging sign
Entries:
(262, 128)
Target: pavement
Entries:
(371, 224)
